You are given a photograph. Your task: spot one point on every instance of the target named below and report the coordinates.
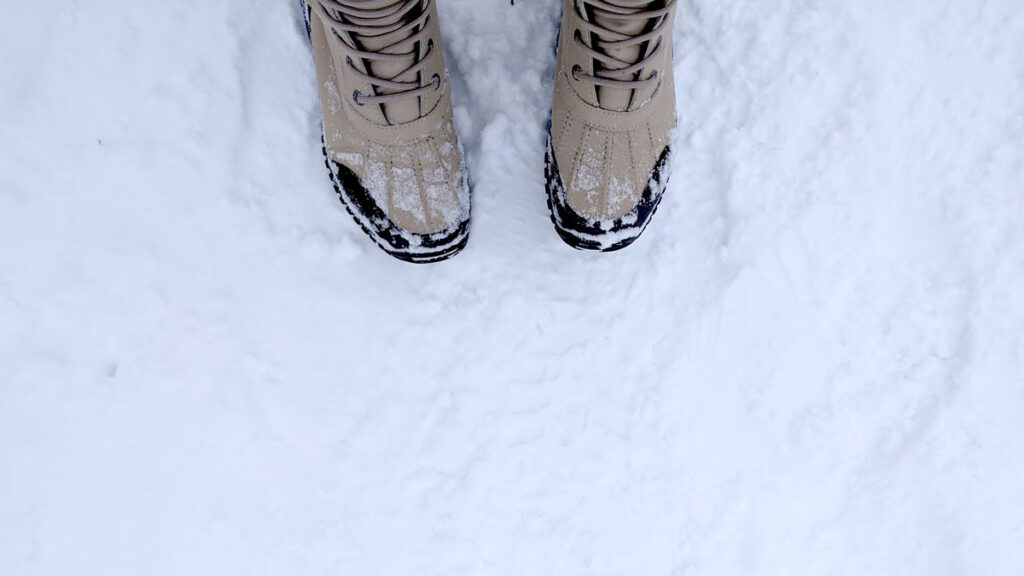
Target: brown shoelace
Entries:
(401, 26)
(614, 72)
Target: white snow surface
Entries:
(811, 363)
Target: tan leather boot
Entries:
(389, 140)
(611, 120)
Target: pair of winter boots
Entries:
(390, 142)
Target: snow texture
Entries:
(811, 363)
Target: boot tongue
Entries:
(619, 99)
(406, 110)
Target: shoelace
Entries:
(389, 24)
(614, 72)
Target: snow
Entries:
(811, 363)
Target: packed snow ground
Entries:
(812, 362)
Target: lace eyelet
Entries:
(436, 81)
(355, 98)
(577, 35)
(576, 71)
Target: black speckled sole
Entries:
(584, 234)
(401, 244)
